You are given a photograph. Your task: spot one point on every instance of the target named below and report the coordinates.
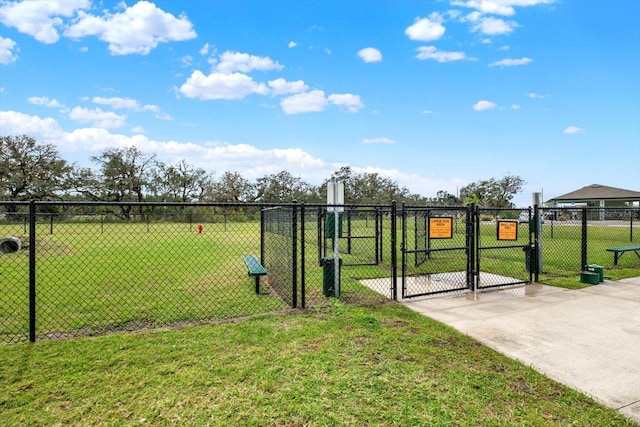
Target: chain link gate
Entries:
(458, 249)
(435, 250)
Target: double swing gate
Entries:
(432, 250)
(459, 249)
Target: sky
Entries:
(432, 94)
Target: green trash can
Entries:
(328, 276)
(596, 269)
(330, 226)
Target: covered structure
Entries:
(599, 196)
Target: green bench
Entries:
(255, 269)
(620, 250)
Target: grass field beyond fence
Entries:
(95, 276)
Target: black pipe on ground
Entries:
(9, 245)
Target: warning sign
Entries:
(507, 230)
(441, 227)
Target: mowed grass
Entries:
(561, 243)
(342, 365)
(92, 278)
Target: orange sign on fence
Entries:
(441, 227)
(507, 230)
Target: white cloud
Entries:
(281, 86)
(515, 107)
(7, 53)
(431, 52)
(370, 54)
(250, 161)
(426, 29)
(43, 100)
(308, 102)
(15, 123)
(221, 86)
(487, 6)
(98, 118)
(186, 60)
(348, 100)
(292, 44)
(118, 103)
(382, 140)
(245, 63)
(163, 116)
(136, 30)
(427, 112)
(484, 105)
(511, 62)
(204, 50)
(40, 19)
(536, 95)
(498, 7)
(494, 26)
(573, 130)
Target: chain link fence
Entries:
(572, 237)
(76, 269)
(92, 268)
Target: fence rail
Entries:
(90, 268)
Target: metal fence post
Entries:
(303, 218)
(294, 250)
(394, 253)
(584, 238)
(471, 213)
(32, 271)
(262, 234)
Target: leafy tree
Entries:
(179, 182)
(232, 188)
(123, 177)
(30, 170)
(493, 193)
(363, 188)
(444, 198)
(283, 187)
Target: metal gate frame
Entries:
(422, 281)
(469, 280)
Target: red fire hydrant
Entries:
(200, 228)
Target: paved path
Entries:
(588, 339)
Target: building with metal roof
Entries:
(599, 196)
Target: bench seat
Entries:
(255, 269)
(620, 250)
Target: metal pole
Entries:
(294, 250)
(262, 220)
(336, 245)
(32, 271)
(394, 255)
(584, 238)
(302, 256)
(537, 205)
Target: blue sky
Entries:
(433, 94)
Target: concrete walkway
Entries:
(588, 339)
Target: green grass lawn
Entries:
(99, 277)
(343, 365)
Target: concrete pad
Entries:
(588, 339)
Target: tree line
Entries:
(30, 170)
